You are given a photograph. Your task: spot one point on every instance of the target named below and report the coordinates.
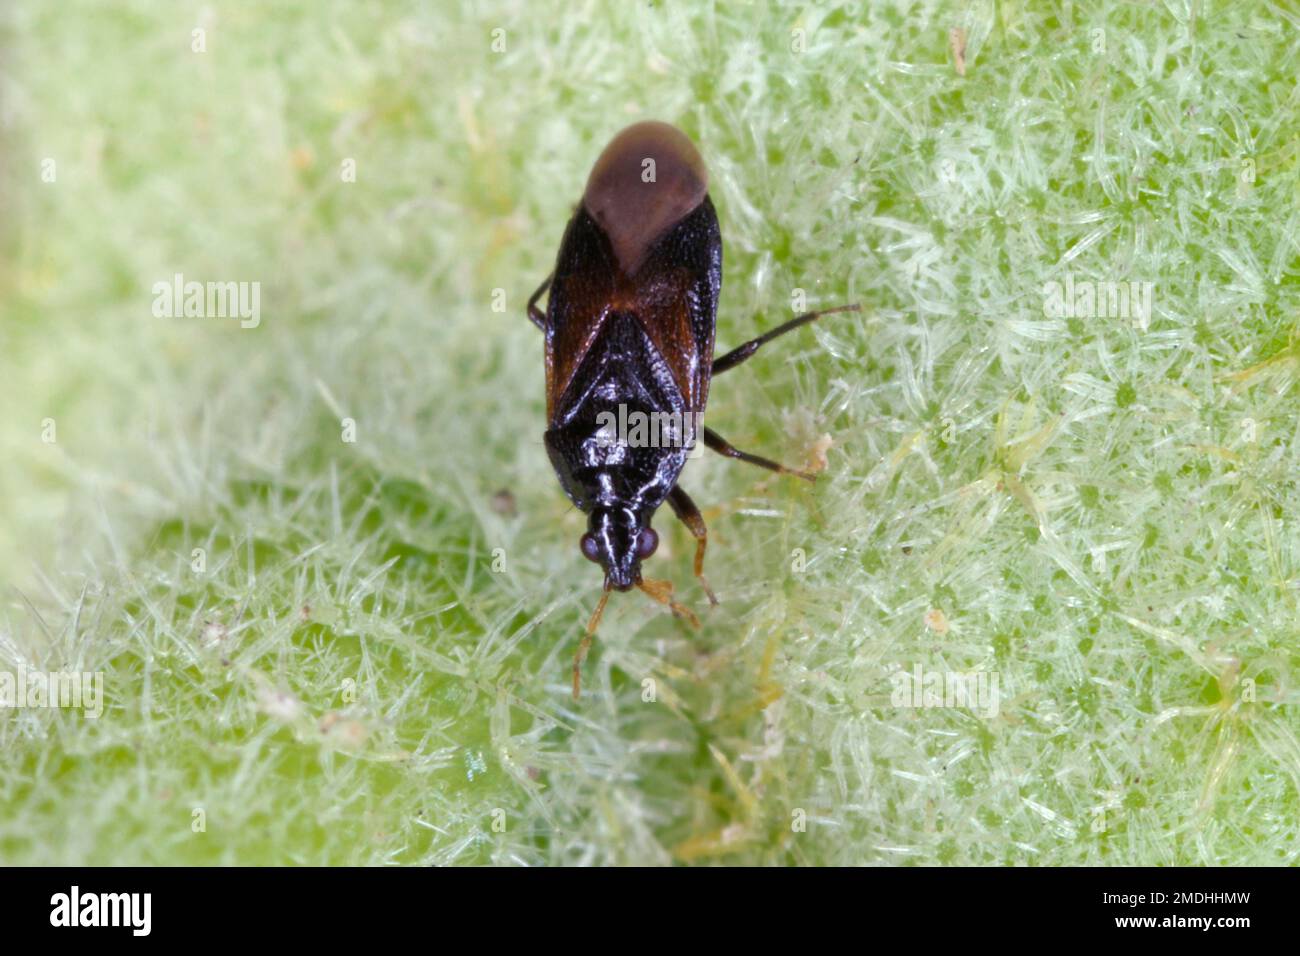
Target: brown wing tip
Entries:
(648, 179)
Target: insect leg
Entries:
(686, 510)
(724, 447)
(534, 313)
(742, 352)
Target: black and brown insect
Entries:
(629, 329)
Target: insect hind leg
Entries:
(741, 352)
(534, 313)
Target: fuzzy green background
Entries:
(317, 650)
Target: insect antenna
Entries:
(662, 591)
(585, 646)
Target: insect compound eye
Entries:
(646, 543)
(590, 547)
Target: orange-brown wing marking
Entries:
(568, 343)
(576, 312)
(662, 304)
